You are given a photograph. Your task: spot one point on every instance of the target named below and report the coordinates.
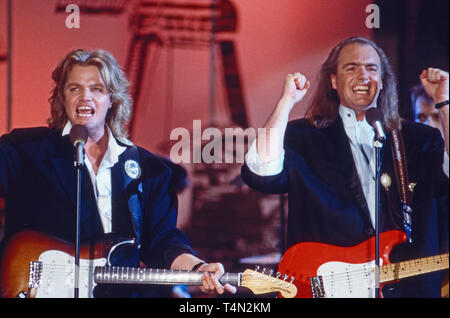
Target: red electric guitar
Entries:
(327, 271)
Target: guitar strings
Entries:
(57, 271)
(408, 265)
(63, 270)
(368, 272)
(425, 265)
(66, 269)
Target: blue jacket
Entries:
(38, 182)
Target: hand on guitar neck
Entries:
(211, 273)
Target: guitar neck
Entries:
(130, 275)
(414, 267)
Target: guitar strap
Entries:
(132, 173)
(401, 173)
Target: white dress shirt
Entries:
(360, 135)
(101, 181)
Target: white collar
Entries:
(113, 151)
(348, 116)
(364, 133)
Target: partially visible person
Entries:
(425, 112)
(423, 108)
(436, 86)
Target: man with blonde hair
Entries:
(38, 179)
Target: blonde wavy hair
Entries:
(116, 82)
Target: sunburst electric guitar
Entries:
(327, 271)
(35, 265)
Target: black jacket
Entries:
(327, 203)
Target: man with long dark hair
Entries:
(326, 161)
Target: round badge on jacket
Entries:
(132, 169)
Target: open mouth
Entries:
(85, 111)
(361, 89)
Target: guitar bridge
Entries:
(35, 277)
(317, 289)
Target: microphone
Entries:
(78, 136)
(375, 118)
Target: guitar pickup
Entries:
(317, 289)
(35, 276)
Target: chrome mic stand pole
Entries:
(78, 163)
(78, 136)
(378, 145)
(77, 239)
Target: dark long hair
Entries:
(324, 107)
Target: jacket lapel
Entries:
(341, 155)
(61, 166)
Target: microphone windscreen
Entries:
(373, 115)
(78, 133)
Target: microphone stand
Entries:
(378, 145)
(78, 163)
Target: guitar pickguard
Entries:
(345, 280)
(56, 276)
(324, 270)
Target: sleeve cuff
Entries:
(260, 168)
(445, 163)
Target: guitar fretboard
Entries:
(415, 267)
(130, 275)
